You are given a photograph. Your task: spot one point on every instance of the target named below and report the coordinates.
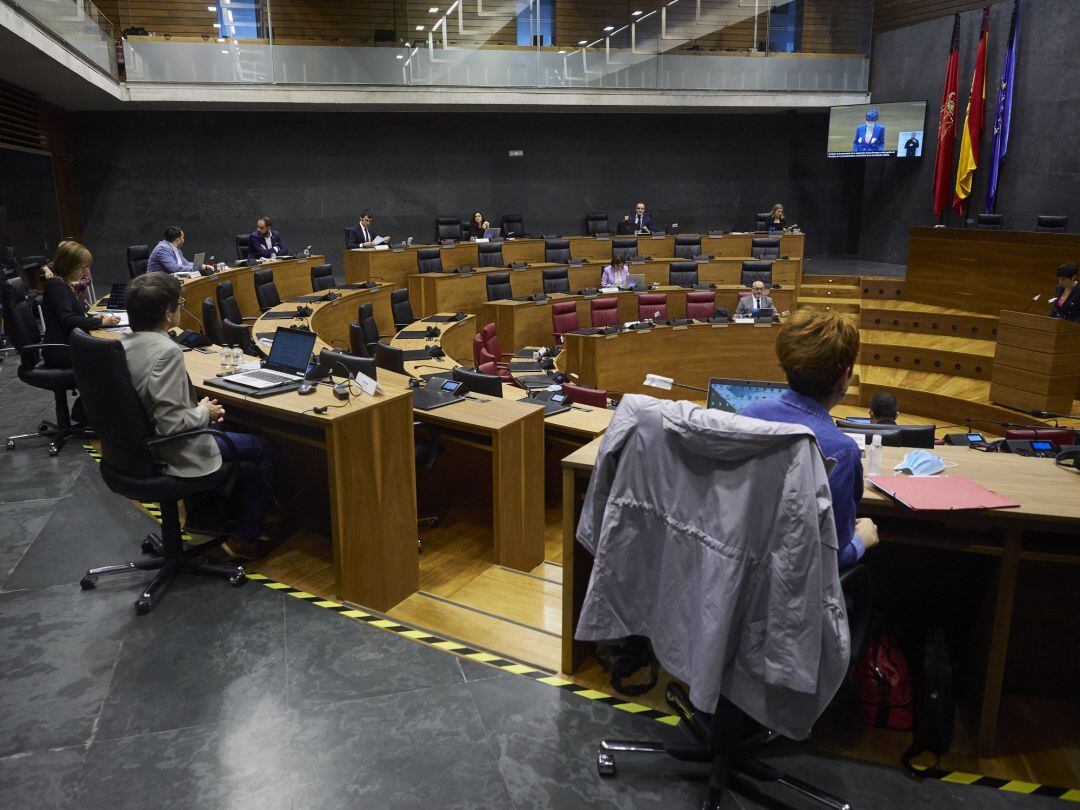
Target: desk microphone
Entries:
(1032, 301)
(191, 315)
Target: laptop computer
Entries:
(287, 362)
(492, 233)
(637, 281)
(734, 396)
(117, 296)
(198, 261)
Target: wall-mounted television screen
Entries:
(877, 130)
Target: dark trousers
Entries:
(253, 489)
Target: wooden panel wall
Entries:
(890, 14)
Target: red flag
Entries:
(973, 123)
(947, 124)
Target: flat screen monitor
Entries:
(894, 129)
(734, 396)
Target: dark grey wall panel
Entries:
(1042, 171)
(214, 173)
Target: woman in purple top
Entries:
(616, 274)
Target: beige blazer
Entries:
(157, 370)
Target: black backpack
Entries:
(935, 708)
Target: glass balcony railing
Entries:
(708, 45)
(79, 24)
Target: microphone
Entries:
(1033, 300)
(191, 315)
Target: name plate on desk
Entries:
(381, 247)
(367, 385)
(679, 328)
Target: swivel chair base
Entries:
(57, 432)
(721, 741)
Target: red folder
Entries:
(939, 492)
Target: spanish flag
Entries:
(973, 121)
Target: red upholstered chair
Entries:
(649, 304)
(700, 305)
(492, 353)
(564, 319)
(741, 296)
(1058, 436)
(605, 312)
(477, 349)
(489, 367)
(585, 396)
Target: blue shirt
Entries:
(166, 258)
(846, 478)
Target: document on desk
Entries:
(939, 492)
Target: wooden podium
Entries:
(1037, 363)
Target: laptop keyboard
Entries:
(267, 376)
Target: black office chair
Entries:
(893, 435)
(390, 358)
(322, 277)
(556, 280)
(243, 241)
(129, 468)
(683, 274)
(266, 292)
(767, 248)
(429, 260)
(498, 287)
(1047, 223)
(728, 738)
(557, 251)
(489, 385)
(357, 343)
(890, 435)
(490, 254)
(21, 326)
(336, 361)
(137, 257)
(401, 308)
(237, 334)
(624, 249)
(596, 222)
(347, 237)
(687, 246)
(513, 225)
(989, 222)
(756, 271)
(763, 220)
(365, 314)
(226, 303)
(211, 322)
(447, 228)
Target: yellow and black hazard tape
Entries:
(465, 651)
(1006, 785)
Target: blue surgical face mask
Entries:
(921, 462)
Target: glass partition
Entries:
(80, 25)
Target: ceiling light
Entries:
(419, 28)
(211, 8)
(562, 51)
(217, 25)
(433, 10)
(609, 27)
(635, 13)
(584, 42)
(399, 56)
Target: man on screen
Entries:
(911, 147)
(870, 136)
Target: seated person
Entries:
(478, 226)
(166, 256)
(158, 374)
(818, 350)
(641, 219)
(361, 234)
(883, 409)
(776, 218)
(1067, 297)
(264, 242)
(616, 274)
(757, 300)
(62, 307)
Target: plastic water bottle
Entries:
(873, 455)
(226, 358)
(237, 357)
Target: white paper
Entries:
(367, 385)
(379, 240)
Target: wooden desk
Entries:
(1042, 530)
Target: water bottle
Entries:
(873, 455)
(237, 357)
(226, 358)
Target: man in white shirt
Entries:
(757, 300)
(166, 256)
(362, 234)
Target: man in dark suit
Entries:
(1067, 297)
(883, 409)
(264, 242)
(361, 234)
(641, 219)
(869, 137)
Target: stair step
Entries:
(835, 304)
(828, 291)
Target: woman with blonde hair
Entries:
(62, 307)
(776, 217)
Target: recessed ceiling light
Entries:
(562, 51)
(433, 10)
(211, 8)
(583, 42)
(636, 13)
(399, 56)
(419, 28)
(609, 27)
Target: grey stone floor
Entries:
(246, 698)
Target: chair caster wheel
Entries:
(147, 546)
(54, 450)
(88, 583)
(237, 580)
(605, 764)
(10, 445)
(43, 427)
(143, 606)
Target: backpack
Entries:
(623, 658)
(883, 685)
(934, 706)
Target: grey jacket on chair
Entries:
(714, 536)
(161, 380)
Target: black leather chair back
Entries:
(112, 406)
(390, 358)
(19, 324)
(137, 257)
(211, 322)
(498, 287)
(768, 248)
(357, 345)
(512, 225)
(488, 385)
(334, 359)
(401, 308)
(756, 271)
(242, 242)
(687, 246)
(763, 220)
(347, 231)
(366, 316)
(490, 254)
(1051, 224)
(322, 277)
(624, 249)
(226, 303)
(429, 260)
(909, 435)
(596, 222)
(989, 222)
(556, 280)
(683, 274)
(557, 250)
(447, 228)
(266, 292)
(236, 334)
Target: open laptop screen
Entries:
(734, 396)
(291, 350)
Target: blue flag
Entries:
(1004, 111)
